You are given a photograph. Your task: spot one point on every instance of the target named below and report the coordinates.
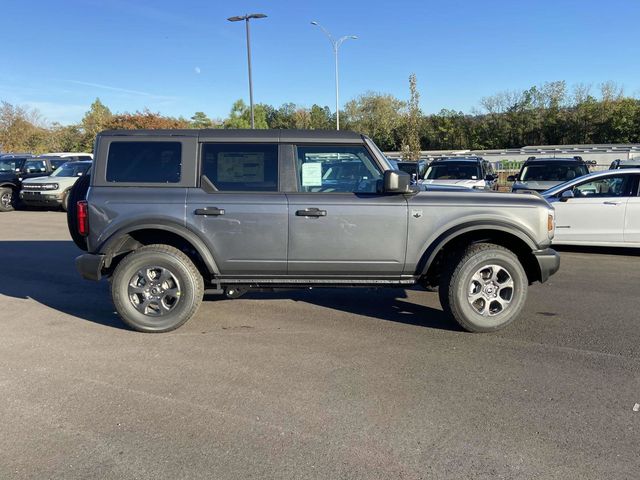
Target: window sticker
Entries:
(240, 167)
(312, 174)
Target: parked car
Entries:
(53, 190)
(630, 163)
(11, 173)
(541, 174)
(14, 170)
(171, 214)
(600, 209)
(469, 172)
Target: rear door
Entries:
(338, 224)
(239, 209)
(597, 212)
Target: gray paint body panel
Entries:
(251, 236)
(360, 234)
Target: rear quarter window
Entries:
(144, 162)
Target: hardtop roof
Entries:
(218, 134)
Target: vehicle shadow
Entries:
(391, 304)
(45, 272)
(623, 251)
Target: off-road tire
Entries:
(456, 290)
(7, 199)
(189, 280)
(74, 195)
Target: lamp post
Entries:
(335, 44)
(246, 19)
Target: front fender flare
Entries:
(429, 254)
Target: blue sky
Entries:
(181, 57)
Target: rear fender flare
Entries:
(121, 238)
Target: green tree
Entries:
(200, 120)
(321, 118)
(240, 116)
(97, 118)
(376, 115)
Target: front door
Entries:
(338, 224)
(239, 209)
(596, 213)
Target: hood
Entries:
(46, 179)
(538, 186)
(459, 183)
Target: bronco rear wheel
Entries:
(156, 289)
(485, 288)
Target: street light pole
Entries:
(335, 44)
(246, 19)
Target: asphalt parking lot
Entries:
(314, 384)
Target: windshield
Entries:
(73, 169)
(552, 172)
(453, 171)
(11, 164)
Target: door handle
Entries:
(209, 211)
(311, 212)
(612, 203)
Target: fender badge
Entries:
(416, 213)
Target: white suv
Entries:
(52, 191)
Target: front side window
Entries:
(337, 168)
(604, 187)
(71, 169)
(241, 167)
(144, 162)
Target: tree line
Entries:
(548, 114)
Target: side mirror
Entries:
(396, 181)
(566, 195)
(512, 178)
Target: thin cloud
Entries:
(123, 90)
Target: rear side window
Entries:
(241, 167)
(144, 162)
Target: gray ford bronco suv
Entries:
(169, 215)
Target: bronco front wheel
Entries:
(156, 288)
(485, 288)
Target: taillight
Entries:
(83, 218)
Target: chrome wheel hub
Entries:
(490, 290)
(154, 291)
